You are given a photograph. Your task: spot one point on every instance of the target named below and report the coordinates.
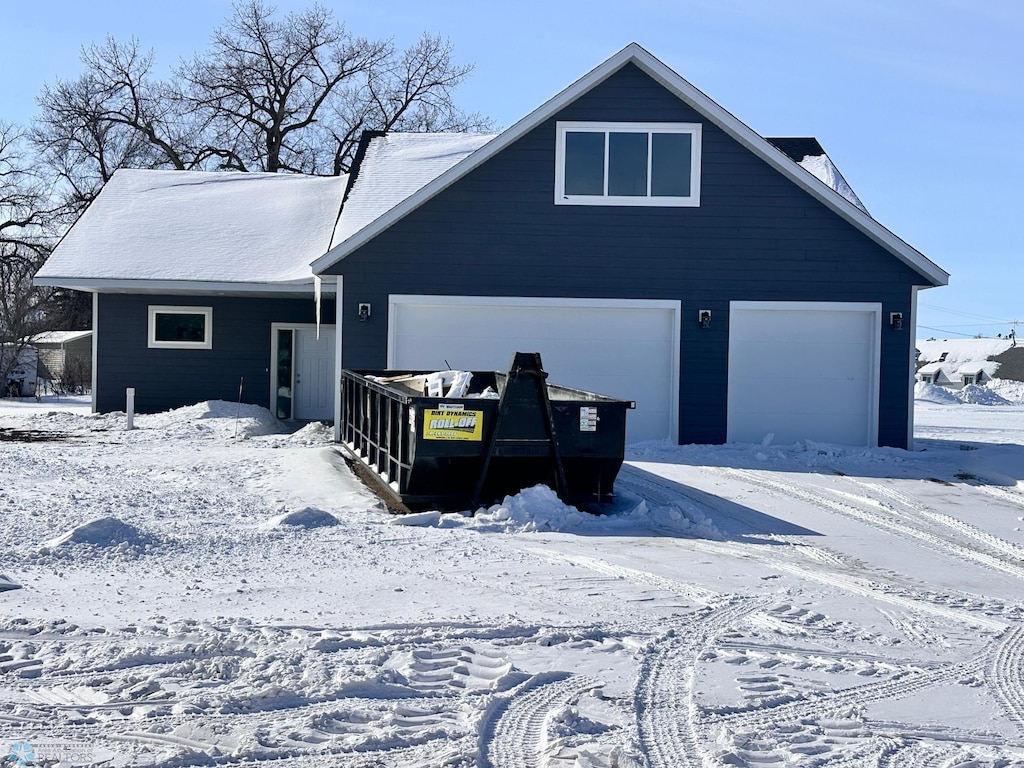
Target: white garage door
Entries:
(803, 371)
(624, 349)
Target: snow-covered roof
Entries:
(960, 350)
(199, 227)
(930, 368)
(397, 165)
(974, 367)
(809, 155)
(636, 55)
(60, 337)
(823, 169)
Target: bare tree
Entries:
(115, 115)
(23, 246)
(411, 90)
(265, 83)
(270, 94)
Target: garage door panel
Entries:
(806, 360)
(807, 371)
(628, 352)
(765, 424)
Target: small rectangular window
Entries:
(180, 327)
(627, 164)
(654, 164)
(670, 164)
(584, 163)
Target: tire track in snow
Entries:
(899, 685)
(665, 703)
(520, 736)
(1013, 498)
(919, 508)
(855, 506)
(865, 588)
(1005, 675)
(634, 576)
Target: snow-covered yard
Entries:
(205, 591)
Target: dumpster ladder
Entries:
(524, 427)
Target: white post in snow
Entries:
(130, 407)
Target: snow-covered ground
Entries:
(210, 590)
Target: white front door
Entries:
(314, 374)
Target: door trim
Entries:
(274, 328)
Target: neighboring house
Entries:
(65, 357)
(649, 244)
(19, 365)
(957, 363)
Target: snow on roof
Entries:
(930, 368)
(822, 168)
(201, 226)
(960, 350)
(60, 337)
(806, 152)
(974, 367)
(396, 166)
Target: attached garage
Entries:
(622, 348)
(804, 371)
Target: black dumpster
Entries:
(498, 435)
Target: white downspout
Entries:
(339, 314)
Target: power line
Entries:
(943, 330)
(964, 314)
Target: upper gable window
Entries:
(654, 164)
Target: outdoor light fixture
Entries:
(364, 312)
(704, 318)
(896, 321)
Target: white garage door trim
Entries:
(396, 301)
(873, 309)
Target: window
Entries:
(180, 327)
(654, 164)
(968, 379)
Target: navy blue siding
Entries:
(171, 378)
(756, 236)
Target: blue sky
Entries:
(918, 102)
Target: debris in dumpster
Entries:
(486, 436)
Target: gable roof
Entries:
(203, 229)
(682, 89)
(59, 337)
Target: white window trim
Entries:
(159, 309)
(692, 201)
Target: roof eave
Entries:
(303, 287)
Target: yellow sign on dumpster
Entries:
(453, 424)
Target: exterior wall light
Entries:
(896, 321)
(364, 312)
(704, 318)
